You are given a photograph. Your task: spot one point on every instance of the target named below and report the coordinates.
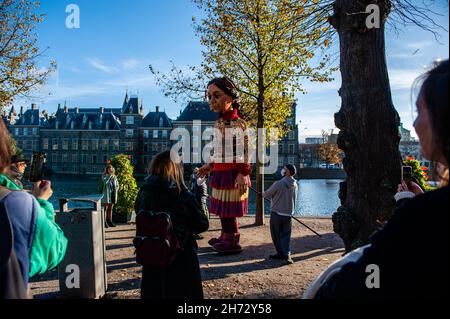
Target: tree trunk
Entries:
(368, 122)
(259, 218)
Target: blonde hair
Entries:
(163, 166)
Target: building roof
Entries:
(197, 111)
(80, 121)
(157, 119)
(30, 117)
(132, 105)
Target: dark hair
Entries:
(5, 148)
(105, 172)
(434, 92)
(163, 166)
(229, 88)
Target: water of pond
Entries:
(318, 197)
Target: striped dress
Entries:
(226, 199)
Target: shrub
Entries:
(127, 184)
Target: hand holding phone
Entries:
(407, 184)
(43, 190)
(407, 175)
(37, 167)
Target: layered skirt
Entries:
(227, 200)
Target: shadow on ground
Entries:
(255, 257)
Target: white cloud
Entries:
(419, 45)
(99, 65)
(403, 79)
(129, 64)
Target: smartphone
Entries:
(407, 174)
(37, 167)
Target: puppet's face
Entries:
(218, 100)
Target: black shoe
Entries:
(110, 223)
(276, 256)
(106, 225)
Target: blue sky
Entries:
(117, 40)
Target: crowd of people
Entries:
(404, 250)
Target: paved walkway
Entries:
(247, 275)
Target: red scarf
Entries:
(230, 115)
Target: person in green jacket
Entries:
(49, 244)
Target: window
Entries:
(105, 158)
(145, 147)
(292, 135)
(75, 145)
(116, 145)
(95, 145)
(84, 145)
(55, 158)
(130, 133)
(291, 160)
(105, 144)
(155, 134)
(164, 134)
(146, 134)
(16, 131)
(130, 120)
(74, 158)
(154, 147)
(45, 143)
(291, 149)
(94, 159)
(84, 159)
(25, 145)
(129, 146)
(64, 158)
(35, 131)
(65, 144)
(55, 144)
(25, 131)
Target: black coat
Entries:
(182, 278)
(411, 251)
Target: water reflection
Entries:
(318, 197)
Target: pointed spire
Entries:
(125, 101)
(13, 111)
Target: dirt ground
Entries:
(249, 275)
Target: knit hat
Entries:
(292, 169)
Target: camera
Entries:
(407, 174)
(37, 167)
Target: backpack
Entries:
(155, 242)
(11, 281)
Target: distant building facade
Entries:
(80, 141)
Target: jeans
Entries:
(280, 229)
